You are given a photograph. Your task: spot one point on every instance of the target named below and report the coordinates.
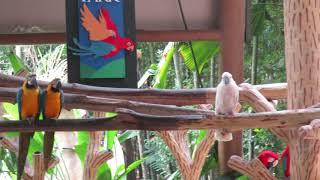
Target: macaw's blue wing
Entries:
(284, 164)
(96, 49)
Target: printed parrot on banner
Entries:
(105, 40)
(51, 101)
(28, 100)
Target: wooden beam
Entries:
(154, 96)
(128, 119)
(232, 26)
(142, 35)
(178, 35)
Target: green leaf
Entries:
(120, 170)
(16, 62)
(11, 110)
(210, 163)
(202, 134)
(127, 135)
(104, 172)
(111, 114)
(132, 166)
(150, 72)
(163, 66)
(111, 135)
(173, 175)
(243, 178)
(81, 147)
(203, 51)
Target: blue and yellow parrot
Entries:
(28, 100)
(52, 102)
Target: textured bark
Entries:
(94, 157)
(254, 168)
(302, 27)
(155, 96)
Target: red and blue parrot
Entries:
(268, 158)
(103, 35)
(285, 156)
(28, 100)
(51, 101)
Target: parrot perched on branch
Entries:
(52, 102)
(103, 35)
(268, 158)
(227, 102)
(28, 100)
(285, 156)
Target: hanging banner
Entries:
(101, 42)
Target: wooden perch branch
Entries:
(38, 168)
(254, 169)
(174, 97)
(128, 119)
(94, 157)
(311, 131)
(261, 104)
(37, 172)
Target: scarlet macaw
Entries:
(52, 102)
(103, 34)
(285, 156)
(28, 100)
(268, 158)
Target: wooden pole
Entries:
(232, 22)
(302, 52)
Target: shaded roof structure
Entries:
(47, 16)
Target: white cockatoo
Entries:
(227, 102)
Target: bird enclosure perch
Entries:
(311, 131)
(173, 97)
(94, 157)
(254, 168)
(30, 173)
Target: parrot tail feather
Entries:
(24, 142)
(48, 146)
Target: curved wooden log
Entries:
(254, 168)
(260, 104)
(311, 131)
(174, 97)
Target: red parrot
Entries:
(268, 158)
(116, 40)
(103, 34)
(285, 156)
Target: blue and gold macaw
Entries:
(52, 102)
(28, 100)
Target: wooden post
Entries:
(232, 26)
(302, 27)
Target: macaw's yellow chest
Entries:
(52, 104)
(30, 103)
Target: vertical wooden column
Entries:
(232, 27)
(302, 27)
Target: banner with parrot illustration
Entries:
(101, 42)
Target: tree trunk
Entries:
(176, 62)
(140, 141)
(302, 27)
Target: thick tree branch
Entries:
(128, 119)
(175, 97)
(261, 104)
(254, 169)
(38, 169)
(311, 131)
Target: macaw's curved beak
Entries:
(32, 82)
(226, 80)
(275, 163)
(57, 85)
(130, 48)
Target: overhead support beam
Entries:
(178, 35)
(142, 35)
